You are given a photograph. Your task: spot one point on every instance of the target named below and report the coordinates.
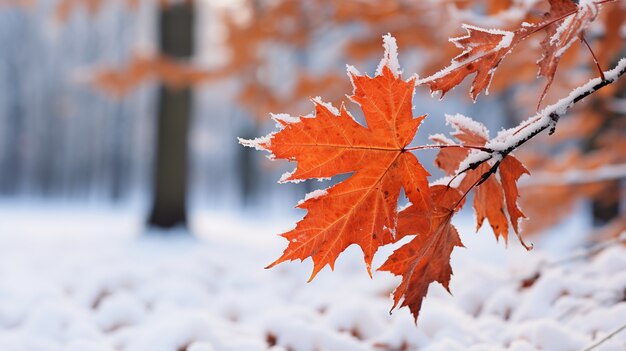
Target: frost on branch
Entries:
(484, 49)
(494, 198)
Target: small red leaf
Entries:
(483, 50)
(426, 258)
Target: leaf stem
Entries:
(445, 146)
(606, 338)
(595, 59)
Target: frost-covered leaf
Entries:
(361, 210)
(483, 50)
(494, 197)
(570, 21)
(426, 258)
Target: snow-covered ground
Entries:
(76, 280)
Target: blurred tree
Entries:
(269, 31)
(170, 170)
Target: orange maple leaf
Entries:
(426, 258)
(494, 198)
(483, 50)
(361, 210)
(569, 21)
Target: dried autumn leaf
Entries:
(483, 50)
(570, 21)
(426, 258)
(494, 198)
(361, 210)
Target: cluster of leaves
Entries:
(293, 24)
(363, 209)
(484, 50)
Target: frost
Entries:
(504, 43)
(285, 178)
(352, 71)
(587, 11)
(549, 115)
(257, 143)
(327, 105)
(284, 117)
(441, 138)
(390, 58)
(404, 207)
(453, 181)
(313, 195)
(460, 121)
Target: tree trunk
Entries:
(169, 206)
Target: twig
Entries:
(509, 140)
(606, 338)
(576, 176)
(549, 116)
(595, 59)
(589, 252)
(445, 146)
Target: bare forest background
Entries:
(88, 89)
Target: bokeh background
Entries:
(131, 219)
(136, 105)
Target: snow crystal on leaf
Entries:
(352, 71)
(284, 117)
(313, 195)
(505, 42)
(390, 58)
(441, 138)
(285, 178)
(256, 143)
(510, 137)
(460, 121)
(327, 105)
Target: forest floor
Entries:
(92, 284)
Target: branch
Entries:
(606, 338)
(447, 146)
(577, 176)
(590, 251)
(509, 140)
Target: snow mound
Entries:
(179, 294)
